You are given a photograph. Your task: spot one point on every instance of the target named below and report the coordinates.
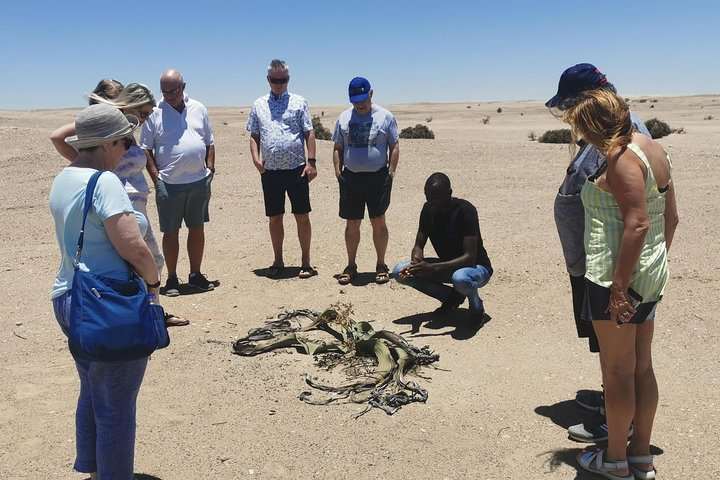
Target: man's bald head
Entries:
(171, 75)
(172, 86)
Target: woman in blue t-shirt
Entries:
(105, 419)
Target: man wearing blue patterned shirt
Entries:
(280, 127)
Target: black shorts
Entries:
(276, 182)
(596, 304)
(365, 188)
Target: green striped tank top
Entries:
(603, 232)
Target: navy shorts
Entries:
(187, 201)
(364, 188)
(275, 183)
(596, 304)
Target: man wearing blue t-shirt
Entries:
(365, 157)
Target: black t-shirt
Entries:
(446, 230)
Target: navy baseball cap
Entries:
(575, 80)
(359, 90)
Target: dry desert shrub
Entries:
(321, 133)
(562, 135)
(418, 131)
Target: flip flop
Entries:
(177, 322)
(382, 274)
(306, 272)
(348, 275)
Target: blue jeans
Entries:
(465, 281)
(105, 416)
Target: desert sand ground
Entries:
(501, 397)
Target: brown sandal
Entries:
(348, 275)
(175, 321)
(382, 274)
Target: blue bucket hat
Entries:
(575, 80)
(359, 90)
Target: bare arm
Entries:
(58, 136)
(338, 151)
(394, 156)
(626, 180)
(255, 152)
(420, 268)
(310, 170)
(151, 167)
(671, 215)
(124, 234)
(210, 156)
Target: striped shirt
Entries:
(604, 229)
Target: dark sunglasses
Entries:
(173, 92)
(279, 81)
(127, 142)
(145, 114)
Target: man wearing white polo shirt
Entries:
(178, 143)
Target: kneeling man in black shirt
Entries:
(452, 226)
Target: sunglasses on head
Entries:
(279, 81)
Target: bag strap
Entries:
(89, 191)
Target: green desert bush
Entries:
(658, 128)
(321, 133)
(418, 131)
(562, 135)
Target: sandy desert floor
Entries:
(501, 396)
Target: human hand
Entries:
(309, 171)
(420, 268)
(619, 306)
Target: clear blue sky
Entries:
(411, 51)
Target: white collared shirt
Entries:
(179, 141)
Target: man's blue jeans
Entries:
(105, 416)
(465, 281)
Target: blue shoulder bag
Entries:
(112, 320)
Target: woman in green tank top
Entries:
(630, 219)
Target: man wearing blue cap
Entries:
(570, 222)
(365, 157)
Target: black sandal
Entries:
(348, 275)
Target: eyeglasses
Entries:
(172, 92)
(145, 114)
(279, 81)
(127, 142)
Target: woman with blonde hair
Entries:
(134, 99)
(630, 220)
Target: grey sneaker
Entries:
(593, 431)
(172, 287)
(591, 400)
(200, 281)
